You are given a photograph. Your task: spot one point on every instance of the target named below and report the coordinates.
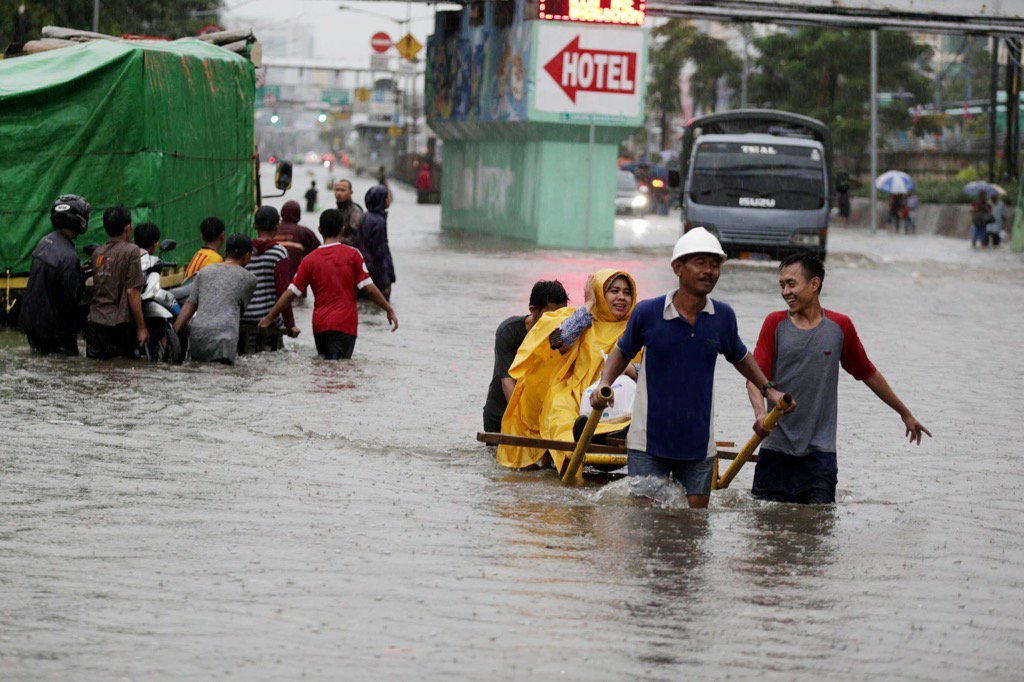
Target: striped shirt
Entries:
(203, 257)
(263, 299)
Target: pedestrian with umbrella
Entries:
(981, 216)
(897, 184)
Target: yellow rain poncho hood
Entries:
(549, 384)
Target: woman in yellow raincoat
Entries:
(552, 371)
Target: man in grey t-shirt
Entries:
(219, 294)
(803, 349)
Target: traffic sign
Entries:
(336, 96)
(381, 42)
(363, 94)
(394, 131)
(408, 47)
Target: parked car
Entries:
(630, 199)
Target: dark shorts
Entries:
(492, 424)
(62, 345)
(105, 343)
(693, 475)
(810, 479)
(333, 345)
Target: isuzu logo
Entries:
(757, 202)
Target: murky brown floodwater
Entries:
(294, 518)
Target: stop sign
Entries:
(380, 42)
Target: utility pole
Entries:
(992, 88)
(874, 130)
(95, 16)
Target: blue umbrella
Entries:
(894, 182)
(971, 189)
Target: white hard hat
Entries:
(697, 240)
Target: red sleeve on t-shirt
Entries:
(301, 280)
(764, 352)
(854, 359)
(359, 271)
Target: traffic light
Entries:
(322, 118)
(275, 119)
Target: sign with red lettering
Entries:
(575, 69)
(589, 70)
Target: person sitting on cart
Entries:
(546, 296)
(558, 360)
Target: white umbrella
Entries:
(894, 182)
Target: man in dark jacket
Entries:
(299, 240)
(49, 307)
(311, 195)
(351, 212)
(373, 239)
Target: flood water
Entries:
(290, 517)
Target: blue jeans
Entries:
(693, 475)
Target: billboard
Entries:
(939, 9)
(588, 73)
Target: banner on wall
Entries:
(584, 71)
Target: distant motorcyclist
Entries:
(49, 307)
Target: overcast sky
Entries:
(337, 34)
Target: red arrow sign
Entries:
(381, 41)
(585, 70)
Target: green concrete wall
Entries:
(533, 189)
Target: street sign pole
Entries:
(590, 183)
(874, 131)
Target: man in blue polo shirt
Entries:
(682, 334)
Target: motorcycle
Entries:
(159, 308)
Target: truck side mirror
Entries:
(673, 179)
(283, 176)
(168, 245)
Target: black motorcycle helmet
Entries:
(70, 212)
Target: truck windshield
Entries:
(757, 175)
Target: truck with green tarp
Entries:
(165, 128)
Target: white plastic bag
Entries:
(625, 391)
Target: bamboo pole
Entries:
(769, 423)
(604, 460)
(573, 471)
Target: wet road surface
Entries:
(290, 517)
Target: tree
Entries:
(674, 44)
(825, 74)
(162, 18)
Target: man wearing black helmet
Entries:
(49, 307)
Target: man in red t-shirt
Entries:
(335, 271)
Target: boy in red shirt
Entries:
(335, 271)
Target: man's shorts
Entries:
(810, 479)
(333, 345)
(693, 475)
(105, 343)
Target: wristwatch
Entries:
(767, 385)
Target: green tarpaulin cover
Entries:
(165, 128)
